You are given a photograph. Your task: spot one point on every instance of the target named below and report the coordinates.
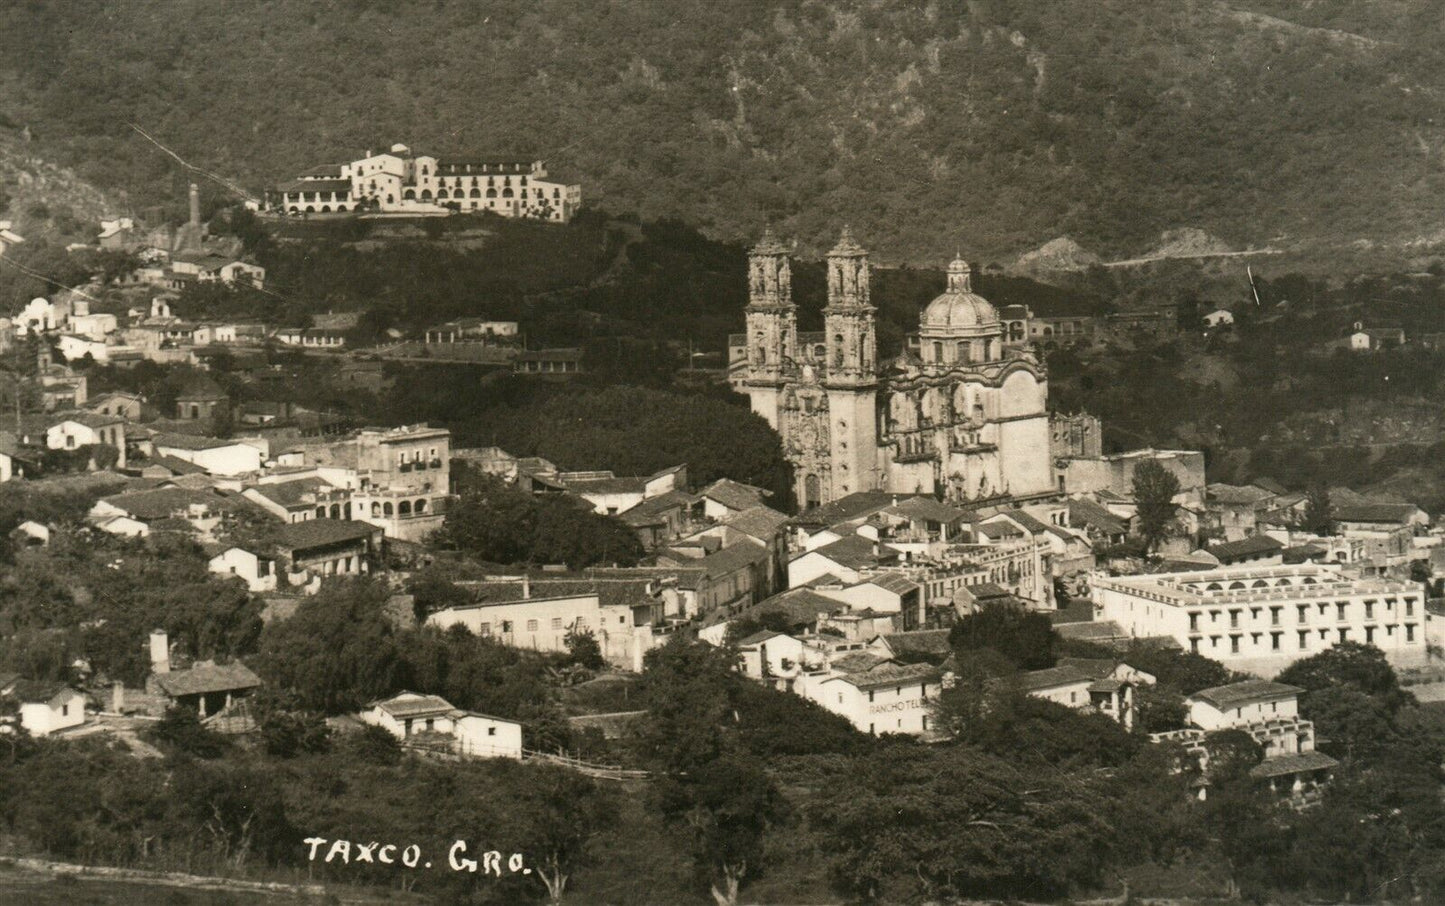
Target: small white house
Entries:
(1242, 704)
(217, 456)
(259, 573)
(1219, 317)
(431, 719)
(771, 654)
(47, 707)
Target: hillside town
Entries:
(407, 496)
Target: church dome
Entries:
(959, 307)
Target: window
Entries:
(1409, 607)
(1369, 610)
(1274, 641)
(506, 625)
(1194, 622)
(1369, 635)
(1234, 644)
(1304, 640)
(484, 629)
(1409, 632)
(1304, 610)
(64, 710)
(1340, 610)
(491, 731)
(556, 622)
(531, 625)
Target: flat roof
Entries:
(1246, 585)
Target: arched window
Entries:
(491, 193)
(937, 352)
(838, 350)
(441, 194)
(321, 512)
(963, 355)
(375, 508)
(336, 511)
(812, 492)
(386, 508)
(326, 209)
(475, 193)
(403, 508)
(426, 194)
(507, 192)
(409, 195)
(420, 507)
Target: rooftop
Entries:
(412, 704)
(207, 676)
(1245, 585)
(318, 532)
(1248, 692)
(1253, 546)
(734, 494)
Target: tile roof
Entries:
(161, 503)
(859, 503)
(173, 464)
(1093, 667)
(927, 509)
(1084, 512)
(761, 522)
(1237, 495)
(1052, 677)
(894, 582)
(734, 494)
(192, 442)
(1375, 512)
(1030, 524)
(412, 704)
(1234, 695)
(800, 605)
(1252, 546)
(759, 637)
(290, 494)
(1092, 630)
(652, 509)
(919, 641)
(207, 676)
(893, 675)
(318, 532)
(37, 691)
(857, 552)
(1296, 763)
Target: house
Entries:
(914, 646)
(301, 499)
(206, 687)
(30, 534)
(216, 456)
(431, 721)
(129, 406)
(1269, 713)
(201, 399)
(258, 572)
(610, 495)
(8, 237)
(1220, 317)
(884, 698)
(542, 622)
(660, 520)
(1374, 517)
(726, 497)
(45, 707)
(85, 429)
(739, 575)
(1233, 511)
(1259, 550)
(768, 654)
(139, 513)
(328, 547)
(1074, 687)
(470, 330)
(847, 559)
(311, 337)
(1373, 339)
(1096, 522)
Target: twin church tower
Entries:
(956, 414)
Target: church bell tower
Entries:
(772, 326)
(851, 372)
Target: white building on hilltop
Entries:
(399, 181)
(1261, 620)
(430, 721)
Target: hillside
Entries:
(995, 126)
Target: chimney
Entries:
(117, 698)
(195, 205)
(526, 586)
(160, 652)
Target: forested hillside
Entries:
(988, 124)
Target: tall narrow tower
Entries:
(852, 370)
(772, 325)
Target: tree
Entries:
(286, 734)
(1025, 637)
(1154, 490)
(583, 649)
(728, 804)
(1319, 513)
(555, 815)
(180, 730)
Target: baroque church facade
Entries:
(963, 417)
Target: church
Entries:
(959, 414)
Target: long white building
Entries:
(399, 181)
(1261, 620)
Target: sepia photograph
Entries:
(722, 452)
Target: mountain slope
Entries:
(994, 126)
